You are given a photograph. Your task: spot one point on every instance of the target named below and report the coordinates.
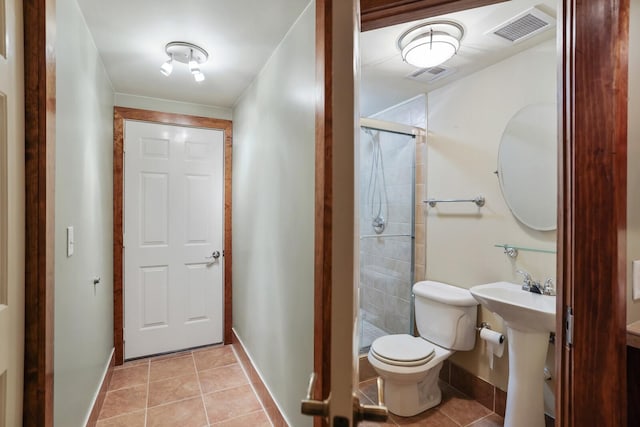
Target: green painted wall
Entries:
(83, 199)
(273, 217)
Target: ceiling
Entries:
(239, 35)
(384, 81)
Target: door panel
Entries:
(335, 238)
(12, 189)
(173, 225)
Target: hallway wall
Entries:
(273, 218)
(83, 199)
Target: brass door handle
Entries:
(312, 407)
(376, 413)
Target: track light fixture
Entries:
(186, 53)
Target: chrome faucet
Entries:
(549, 288)
(530, 285)
(527, 281)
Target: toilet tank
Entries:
(446, 315)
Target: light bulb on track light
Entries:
(167, 67)
(199, 77)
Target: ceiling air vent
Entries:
(523, 26)
(428, 75)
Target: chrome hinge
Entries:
(568, 326)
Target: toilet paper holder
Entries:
(485, 325)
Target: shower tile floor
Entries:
(370, 333)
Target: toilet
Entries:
(410, 366)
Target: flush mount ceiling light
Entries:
(431, 43)
(186, 53)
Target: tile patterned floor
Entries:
(455, 410)
(208, 387)
(199, 388)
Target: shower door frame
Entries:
(416, 133)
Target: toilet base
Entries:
(411, 398)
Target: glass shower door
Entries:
(387, 200)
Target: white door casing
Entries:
(173, 227)
(12, 211)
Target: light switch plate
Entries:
(70, 241)
(636, 280)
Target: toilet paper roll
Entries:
(495, 344)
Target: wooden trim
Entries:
(323, 211)
(120, 114)
(40, 116)
(384, 13)
(592, 233)
(104, 387)
(269, 404)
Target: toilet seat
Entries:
(403, 350)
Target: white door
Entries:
(173, 238)
(12, 189)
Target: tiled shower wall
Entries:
(385, 262)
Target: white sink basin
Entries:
(522, 310)
(529, 318)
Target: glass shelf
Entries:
(507, 246)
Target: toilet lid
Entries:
(402, 350)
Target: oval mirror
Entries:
(527, 166)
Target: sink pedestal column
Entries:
(525, 400)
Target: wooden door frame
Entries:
(39, 17)
(120, 115)
(592, 198)
(600, 301)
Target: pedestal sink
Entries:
(529, 319)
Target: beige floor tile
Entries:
(186, 413)
(460, 408)
(493, 420)
(129, 377)
(255, 419)
(430, 418)
(214, 358)
(369, 389)
(172, 389)
(222, 378)
(135, 419)
(170, 355)
(132, 363)
(124, 401)
(173, 367)
(230, 403)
